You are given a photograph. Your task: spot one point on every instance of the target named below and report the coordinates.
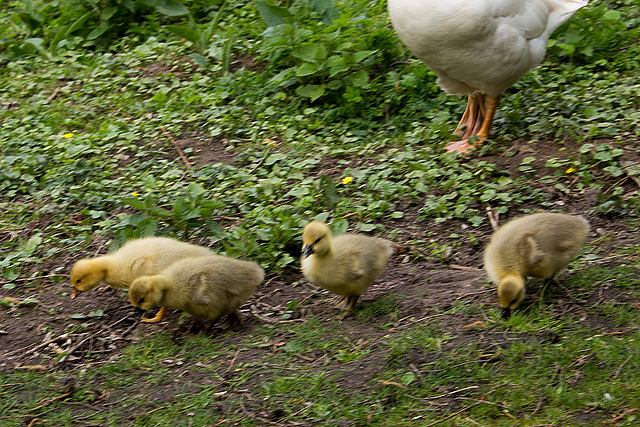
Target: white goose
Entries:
(478, 48)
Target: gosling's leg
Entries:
(348, 302)
(545, 285)
(351, 301)
(211, 326)
(232, 321)
(342, 302)
(235, 320)
(158, 317)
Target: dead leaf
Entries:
(394, 383)
(33, 367)
(478, 324)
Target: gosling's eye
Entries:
(140, 301)
(78, 281)
(317, 240)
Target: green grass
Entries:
(583, 369)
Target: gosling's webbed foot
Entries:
(233, 321)
(158, 317)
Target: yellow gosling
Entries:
(135, 258)
(345, 265)
(538, 245)
(206, 287)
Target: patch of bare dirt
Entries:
(248, 62)
(182, 68)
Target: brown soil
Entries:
(33, 334)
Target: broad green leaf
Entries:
(329, 191)
(361, 55)
(612, 15)
(31, 245)
(194, 190)
(367, 227)
(339, 226)
(99, 30)
(298, 191)
(136, 203)
(327, 8)
(504, 180)
(359, 78)
(527, 160)
(311, 91)
(408, 378)
(180, 208)
(569, 48)
(159, 212)
(273, 15)
(282, 75)
(310, 52)
(336, 64)
(185, 32)
(169, 7)
(274, 158)
(307, 69)
(317, 92)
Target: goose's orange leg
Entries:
(492, 105)
(478, 118)
(472, 117)
(158, 317)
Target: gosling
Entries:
(345, 265)
(136, 258)
(538, 245)
(206, 287)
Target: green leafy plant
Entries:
(202, 39)
(188, 213)
(321, 62)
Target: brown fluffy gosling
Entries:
(538, 245)
(345, 265)
(138, 257)
(205, 287)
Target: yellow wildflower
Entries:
(569, 170)
(346, 180)
(68, 135)
(134, 194)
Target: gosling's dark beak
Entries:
(140, 312)
(75, 292)
(308, 250)
(506, 313)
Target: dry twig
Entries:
(38, 347)
(186, 162)
(622, 366)
(70, 352)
